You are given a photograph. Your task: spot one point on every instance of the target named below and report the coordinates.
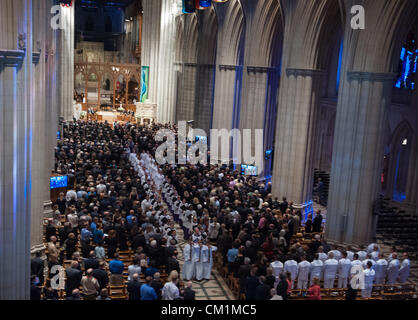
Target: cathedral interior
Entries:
(329, 83)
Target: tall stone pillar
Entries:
(167, 51)
(151, 44)
(205, 80)
(39, 96)
(224, 116)
(297, 115)
(66, 62)
(412, 184)
(186, 108)
(357, 156)
(16, 114)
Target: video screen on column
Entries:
(248, 170)
(58, 182)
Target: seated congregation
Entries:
(114, 232)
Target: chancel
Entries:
(208, 150)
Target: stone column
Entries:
(412, 185)
(40, 145)
(223, 107)
(295, 130)
(204, 99)
(66, 62)
(167, 51)
(16, 114)
(357, 156)
(186, 108)
(151, 44)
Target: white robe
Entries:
(317, 267)
(292, 267)
(197, 262)
(404, 271)
(393, 271)
(330, 272)
(277, 267)
(304, 268)
(188, 266)
(380, 269)
(344, 267)
(207, 260)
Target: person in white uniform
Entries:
(369, 275)
(291, 266)
(197, 261)
(304, 268)
(317, 267)
(369, 258)
(356, 261)
(330, 271)
(372, 247)
(393, 269)
(380, 269)
(322, 255)
(344, 267)
(362, 254)
(375, 253)
(277, 267)
(207, 260)
(188, 266)
(337, 253)
(404, 270)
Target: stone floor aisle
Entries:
(213, 289)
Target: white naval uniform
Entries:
(197, 262)
(317, 267)
(207, 260)
(365, 263)
(188, 266)
(370, 248)
(393, 271)
(369, 275)
(277, 267)
(292, 267)
(362, 255)
(304, 268)
(404, 271)
(330, 272)
(337, 254)
(344, 267)
(323, 256)
(350, 255)
(380, 269)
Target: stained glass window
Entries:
(408, 64)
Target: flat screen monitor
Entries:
(58, 182)
(58, 135)
(248, 170)
(203, 139)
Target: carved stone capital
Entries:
(11, 58)
(370, 76)
(227, 67)
(304, 72)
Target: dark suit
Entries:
(172, 264)
(243, 273)
(251, 284)
(282, 289)
(157, 286)
(317, 222)
(37, 268)
(189, 294)
(134, 289)
(91, 264)
(73, 280)
(262, 292)
(102, 277)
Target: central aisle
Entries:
(213, 289)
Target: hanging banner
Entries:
(144, 83)
(203, 4)
(189, 6)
